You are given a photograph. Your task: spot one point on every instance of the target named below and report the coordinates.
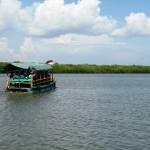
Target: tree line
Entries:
(89, 68)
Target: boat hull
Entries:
(40, 88)
(44, 88)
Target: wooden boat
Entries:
(29, 77)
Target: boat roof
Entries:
(27, 65)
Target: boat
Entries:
(29, 77)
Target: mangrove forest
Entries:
(89, 68)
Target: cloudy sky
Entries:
(75, 31)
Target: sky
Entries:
(75, 31)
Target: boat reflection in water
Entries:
(30, 77)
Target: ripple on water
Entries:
(86, 112)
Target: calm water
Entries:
(86, 112)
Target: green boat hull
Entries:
(44, 88)
(40, 88)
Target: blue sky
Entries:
(112, 32)
(120, 9)
(117, 9)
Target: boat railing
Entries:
(42, 81)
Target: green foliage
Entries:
(86, 68)
(16, 61)
(2, 66)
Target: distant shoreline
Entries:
(95, 69)
(100, 69)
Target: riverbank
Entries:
(88, 68)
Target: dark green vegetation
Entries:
(87, 68)
(2, 66)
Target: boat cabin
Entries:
(28, 77)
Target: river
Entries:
(85, 112)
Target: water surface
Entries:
(85, 112)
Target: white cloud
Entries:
(13, 15)
(8, 11)
(136, 24)
(59, 48)
(68, 45)
(53, 18)
(5, 52)
(69, 29)
(72, 48)
(77, 39)
(32, 50)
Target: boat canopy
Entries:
(26, 66)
